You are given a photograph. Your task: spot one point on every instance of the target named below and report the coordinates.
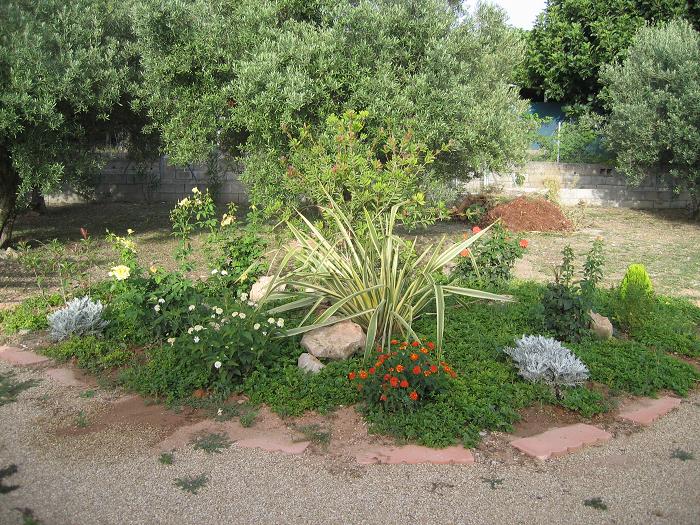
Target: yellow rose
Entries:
(120, 272)
(129, 231)
(153, 268)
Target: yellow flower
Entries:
(227, 220)
(128, 244)
(183, 202)
(129, 231)
(244, 276)
(120, 272)
(153, 268)
(195, 190)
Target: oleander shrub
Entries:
(81, 316)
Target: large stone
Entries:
(260, 287)
(337, 341)
(17, 356)
(309, 363)
(601, 326)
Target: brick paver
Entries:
(559, 441)
(17, 356)
(414, 454)
(646, 410)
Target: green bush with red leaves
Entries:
(402, 378)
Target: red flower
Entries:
(413, 395)
(351, 376)
(426, 373)
(464, 253)
(415, 344)
(403, 384)
(476, 229)
(399, 368)
(382, 398)
(363, 374)
(387, 377)
(414, 357)
(371, 370)
(433, 368)
(424, 350)
(416, 370)
(523, 243)
(394, 381)
(431, 345)
(394, 342)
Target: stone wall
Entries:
(594, 184)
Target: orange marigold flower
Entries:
(371, 370)
(476, 229)
(415, 344)
(464, 253)
(394, 342)
(433, 368)
(424, 350)
(387, 377)
(399, 368)
(453, 374)
(413, 395)
(351, 376)
(394, 381)
(523, 243)
(414, 357)
(403, 384)
(363, 374)
(416, 370)
(431, 345)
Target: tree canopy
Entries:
(573, 39)
(244, 76)
(653, 98)
(65, 74)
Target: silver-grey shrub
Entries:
(543, 359)
(80, 316)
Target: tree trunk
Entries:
(9, 182)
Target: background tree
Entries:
(66, 69)
(653, 98)
(244, 76)
(573, 39)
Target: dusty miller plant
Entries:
(543, 359)
(81, 316)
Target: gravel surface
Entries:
(114, 477)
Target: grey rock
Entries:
(309, 363)
(338, 341)
(601, 326)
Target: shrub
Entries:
(543, 359)
(344, 166)
(375, 279)
(403, 378)
(81, 316)
(492, 260)
(635, 298)
(217, 351)
(566, 302)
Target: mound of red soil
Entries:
(528, 214)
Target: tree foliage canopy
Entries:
(654, 101)
(573, 39)
(243, 76)
(65, 73)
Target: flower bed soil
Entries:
(529, 214)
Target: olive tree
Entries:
(244, 76)
(66, 70)
(653, 97)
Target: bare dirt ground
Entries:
(665, 241)
(110, 473)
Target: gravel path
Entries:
(114, 477)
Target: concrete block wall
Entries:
(594, 184)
